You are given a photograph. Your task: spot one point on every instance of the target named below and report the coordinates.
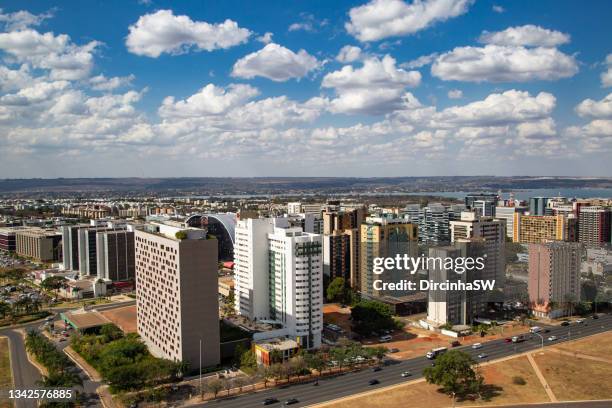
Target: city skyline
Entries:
(387, 87)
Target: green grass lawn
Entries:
(6, 377)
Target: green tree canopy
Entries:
(370, 315)
(454, 372)
(335, 290)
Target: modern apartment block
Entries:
(455, 307)
(295, 284)
(279, 276)
(491, 198)
(116, 255)
(594, 226)
(507, 214)
(534, 229)
(554, 277)
(176, 294)
(341, 244)
(385, 236)
(38, 244)
(493, 234)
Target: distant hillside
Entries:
(289, 185)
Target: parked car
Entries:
(385, 339)
(566, 323)
(394, 350)
(455, 343)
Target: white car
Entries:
(552, 338)
(477, 345)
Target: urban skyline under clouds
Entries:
(380, 88)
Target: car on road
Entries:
(482, 355)
(373, 381)
(566, 323)
(579, 321)
(552, 338)
(477, 345)
(595, 317)
(291, 401)
(455, 343)
(508, 340)
(375, 369)
(270, 401)
(406, 374)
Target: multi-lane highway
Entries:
(352, 383)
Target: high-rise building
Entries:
(385, 237)
(176, 294)
(295, 284)
(554, 277)
(492, 232)
(455, 307)
(534, 229)
(484, 208)
(487, 197)
(279, 276)
(116, 255)
(341, 244)
(294, 208)
(70, 246)
(538, 205)
(594, 226)
(507, 214)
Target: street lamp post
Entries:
(541, 337)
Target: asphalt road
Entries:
(25, 375)
(352, 383)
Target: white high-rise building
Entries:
(279, 276)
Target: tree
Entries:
(228, 383)
(214, 386)
(369, 316)
(180, 235)
(335, 290)
(589, 290)
(248, 361)
(54, 283)
(240, 382)
(315, 361)
(454, 372)
(5, 309)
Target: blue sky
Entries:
(237, 88)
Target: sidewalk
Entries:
(540, 376)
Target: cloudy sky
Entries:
(305, 88)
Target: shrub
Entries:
(518, 380)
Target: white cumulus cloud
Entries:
(527, 35)
(348, 54)
(275, 62)
(596, 109)
(497, 63)
(380, 19)
(163, 32)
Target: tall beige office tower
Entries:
(554, 277)
(176, 293)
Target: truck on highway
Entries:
(518, 339)
(435, 352)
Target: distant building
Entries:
(594, 226)
(538, 206)
(493, 233)
(534, 229)
(8, 240)
(38, 244)
(554, 278)
(385, 237)
(507, 214)
(116, 255)
(176, 294)
(487, 197)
